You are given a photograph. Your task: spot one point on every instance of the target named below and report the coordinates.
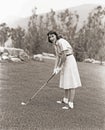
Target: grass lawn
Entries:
(19, 81)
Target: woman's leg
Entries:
(71, 98)
(71, 94)
(66, 95)
(65, 98)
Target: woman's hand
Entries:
(57, 70)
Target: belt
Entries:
(68, 54)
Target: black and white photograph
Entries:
(52, 65)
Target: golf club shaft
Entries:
(41, 88)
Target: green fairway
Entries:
(18, 83)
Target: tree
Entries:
(32, 35)
(101, 54)
(4, 32)
(93, 32)
(39, 25)
(68, 24)
(18, 35)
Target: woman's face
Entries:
(52, 38)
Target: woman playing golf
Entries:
(65, 64)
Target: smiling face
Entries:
(52, 38)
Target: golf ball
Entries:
(22, 103)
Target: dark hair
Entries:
(50, 33)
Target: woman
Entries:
(67, 66)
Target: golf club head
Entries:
(23, 103)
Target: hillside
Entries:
(82, 10)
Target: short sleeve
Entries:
(63, 45)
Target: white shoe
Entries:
(71, 105)
(65, 108)
(65, 100)
(59, 102)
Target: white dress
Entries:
(69, 75)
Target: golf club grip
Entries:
(43, 86)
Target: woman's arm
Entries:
(62, 59)
(57, 60)
(56, 68)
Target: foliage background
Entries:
(87, 42)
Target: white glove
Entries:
(57, 70)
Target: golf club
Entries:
(23, 103)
